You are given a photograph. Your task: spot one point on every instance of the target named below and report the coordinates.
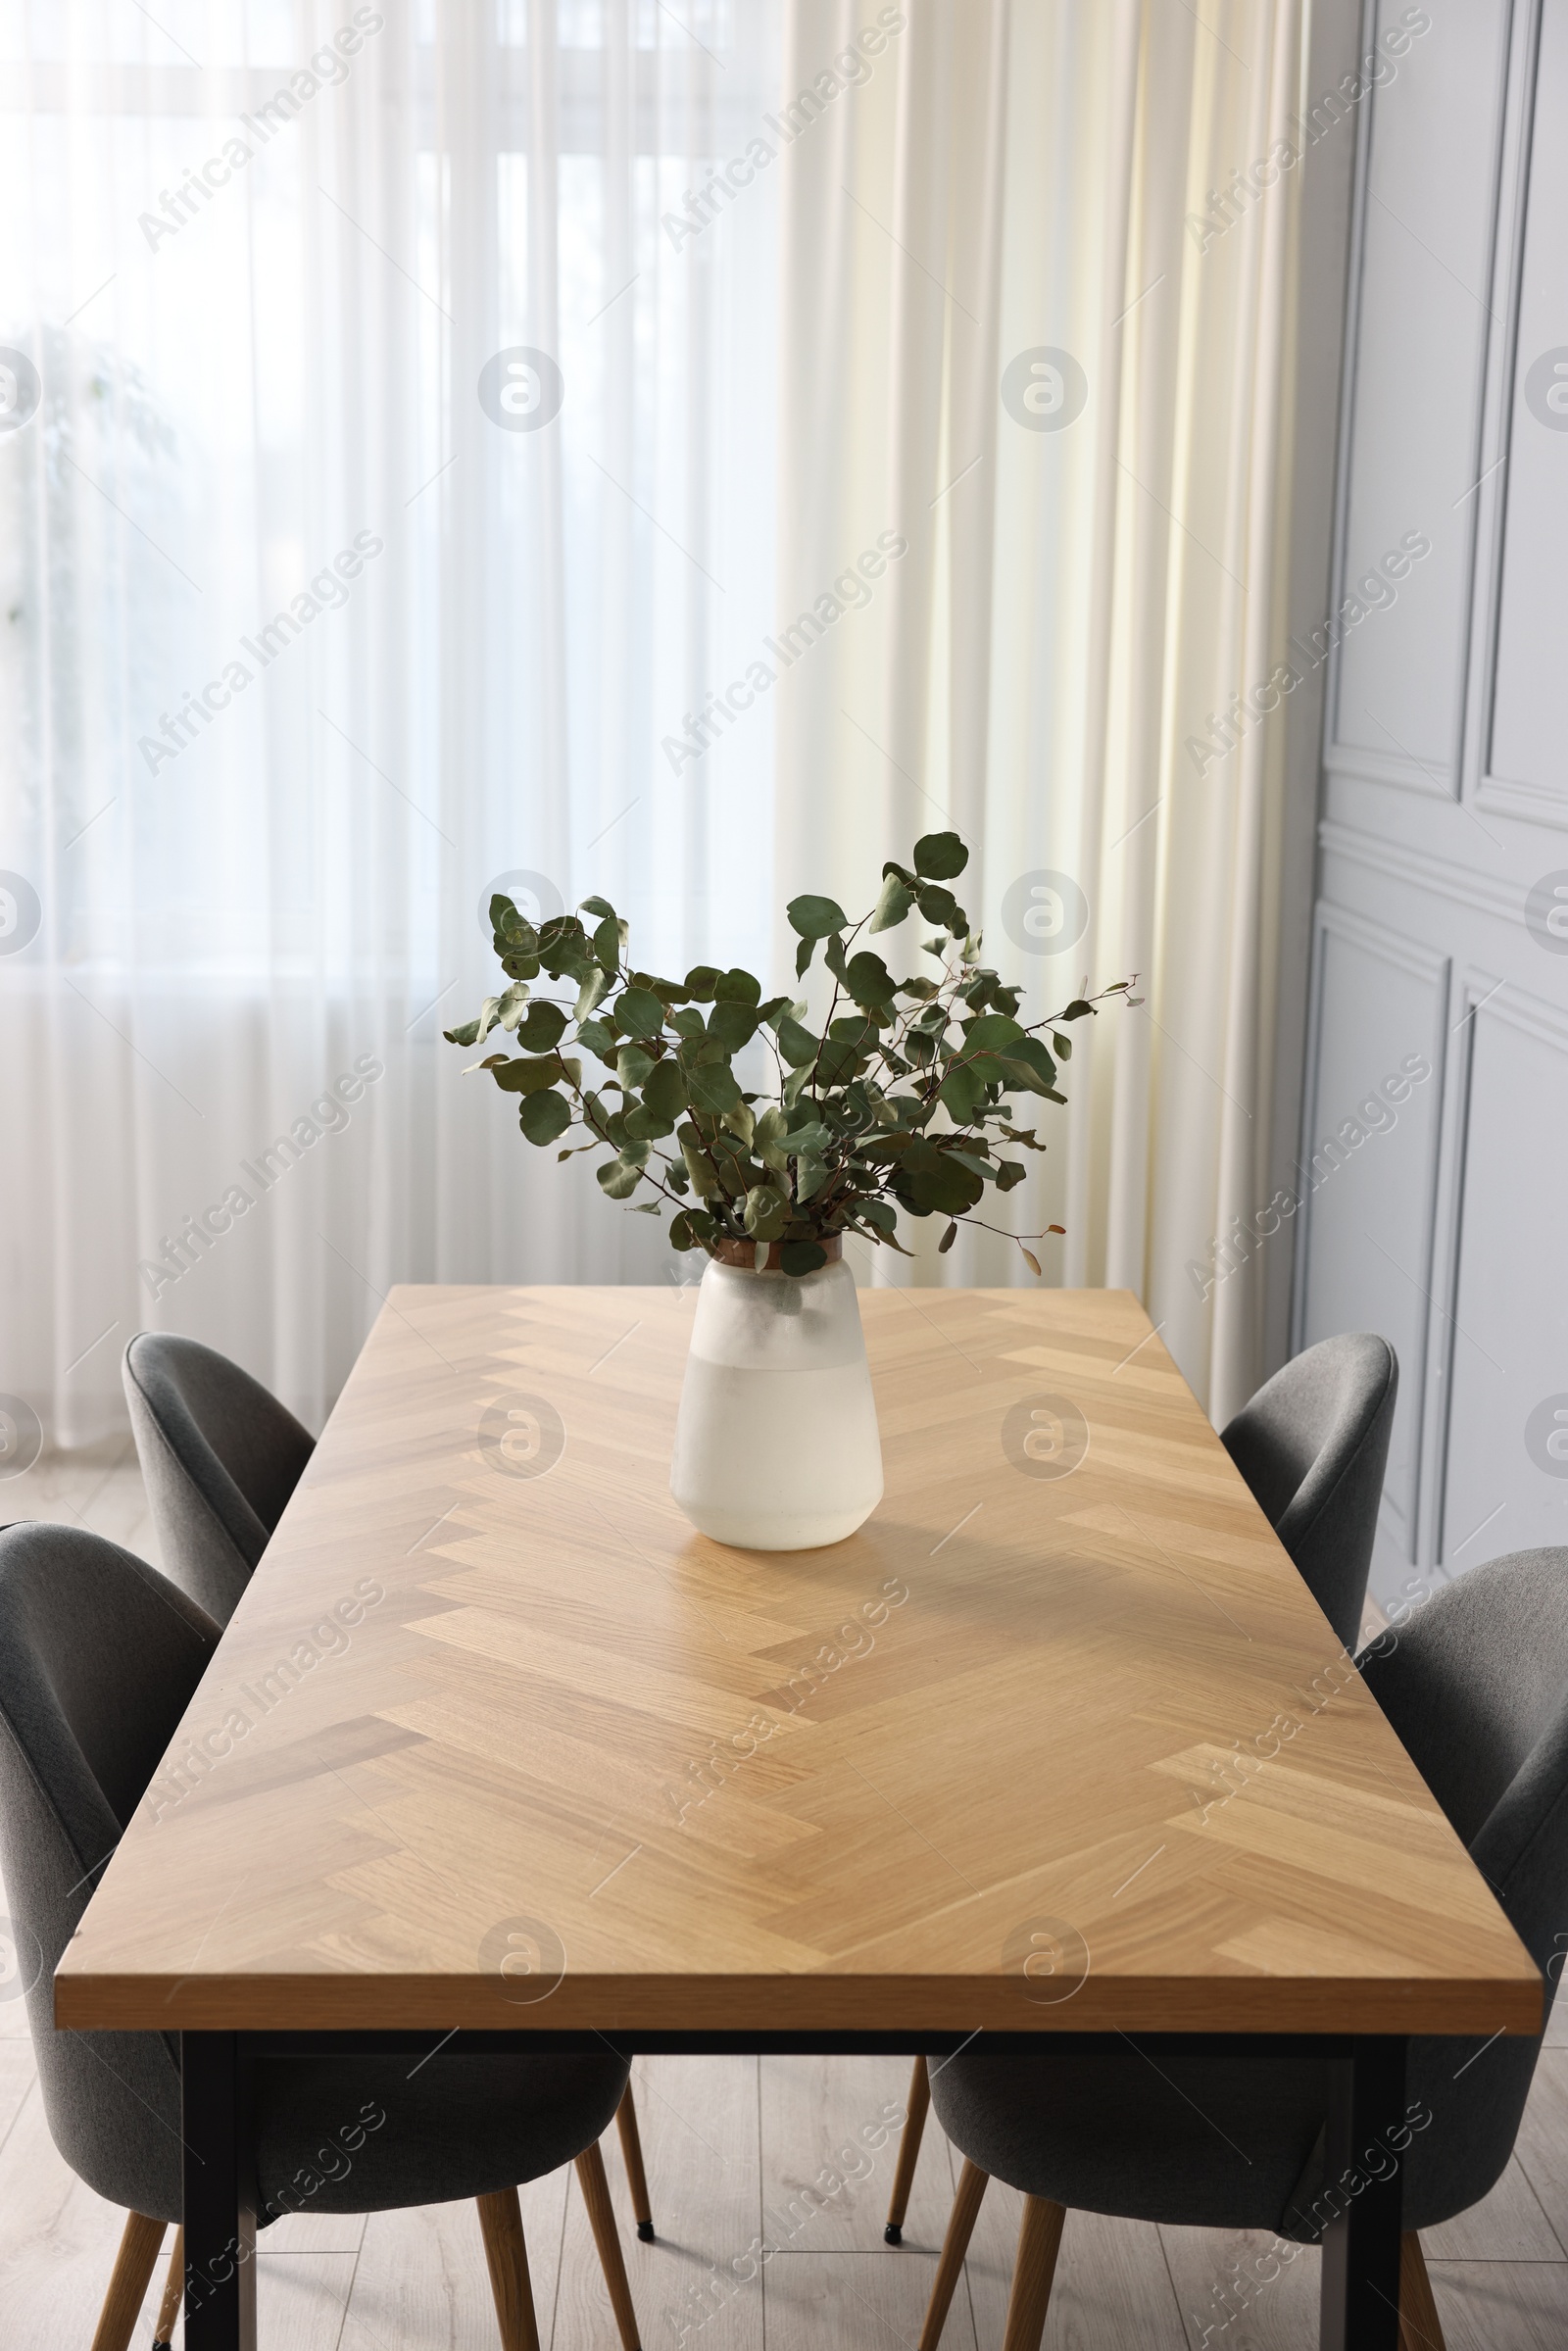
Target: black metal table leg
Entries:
(1364, 2189)
(218, 2193)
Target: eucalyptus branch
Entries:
(870, 1144)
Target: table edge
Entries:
(1441, 2007)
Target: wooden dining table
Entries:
(1057, 1750)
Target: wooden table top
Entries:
(497, 1739)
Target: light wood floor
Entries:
(742, 2151)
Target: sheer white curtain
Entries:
(1039, 289)
(421, 428)
(320, 618)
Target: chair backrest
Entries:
(1476, 1685)
(99, 1658)
(1312, 1445)
(219, 1458)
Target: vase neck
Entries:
(743, 1254)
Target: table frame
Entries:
(1360, 2307)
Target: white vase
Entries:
(777, 1445)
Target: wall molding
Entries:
(1421, 869)
(1400, 1516)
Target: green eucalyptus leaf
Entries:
(689, 1228)
(644, 1125)
(836, 1061)
(699, 1166)
(529, 1077)
(632, 1067)
(941, 907)
(737, 987)
(797, 1257)
(767, 1139)
(803, 956)
(991, 1034)
(940, 1188)
(543, 1116)
(938, 856)
(1009, 1173)
(598, 906)
(469, 1034)
(701, 981)
(767, 1212)
(816, 917)
(665, 1089)
(591, 992)
(797, 1045)
(512, 928)
(869, 980)
(543, 1026)
(597, 1036)
(733, 1022)
(962, 1091)
(893, 903)
(1029, 1053)
(713, 1087)
(618, 1179)
(606, 945)
(853, 1028)
(640, 1012)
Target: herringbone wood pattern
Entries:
(999, 1729)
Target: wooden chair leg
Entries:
(507, 2256)
(1039, 2243)
(908, 2151)
(631, 2148)
(128, 2287)
(174, 2295)
(1420, 2327)
(972, 2184)
(607, 2236)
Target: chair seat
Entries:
(453, 2128)
(1234, 2143)
(1196, 2144)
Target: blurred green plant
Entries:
(900, 1102)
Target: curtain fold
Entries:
(1073, 364)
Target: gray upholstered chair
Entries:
(1312, 1445)
(99, 1658)
(219, 1458)
(1477, 1688)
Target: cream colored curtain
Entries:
(1037, 333)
